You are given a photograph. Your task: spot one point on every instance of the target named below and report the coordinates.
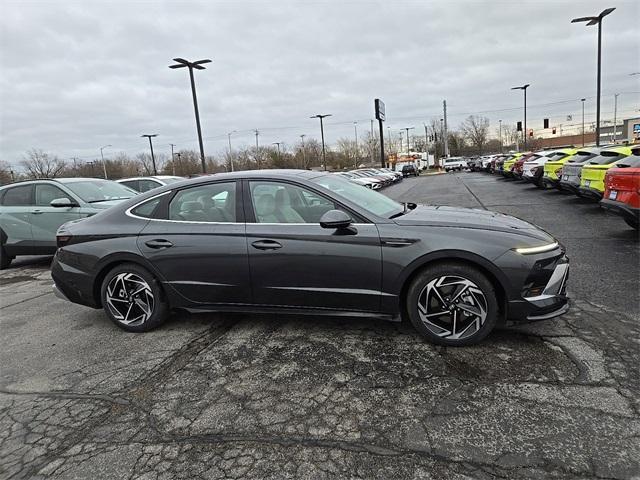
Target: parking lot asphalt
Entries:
(238, 396)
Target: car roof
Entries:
(62, 180)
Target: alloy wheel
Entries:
(129, 299)
(452, 307)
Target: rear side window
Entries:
(17, 196)
(131, 184)
(214, 203)
(147, 209)
(146, 185)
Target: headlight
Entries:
(542, 248)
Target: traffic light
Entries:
(553, 130)
(546, 123)
(519, 129)
(531, 132)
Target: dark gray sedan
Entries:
(289, 241)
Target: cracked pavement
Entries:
(237, 396)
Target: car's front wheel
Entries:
(133, 298)
(452, 304)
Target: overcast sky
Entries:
(79, 75)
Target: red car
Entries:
(519, 165)
(622, 189)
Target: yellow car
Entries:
(594, 171)
(506, 168)
(552, 168)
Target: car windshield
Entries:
(557, 156)
(367, 199)
(94, 191)
(605, 158)
(629, 162)
(581, 157)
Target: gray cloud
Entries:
(79, 75)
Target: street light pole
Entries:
(524, 130)
(582, 100)
(230, 152)
(355, 128)
(153, 158)
(257, 151)
(104, 165)
(181, 63)
(596, 21)
(173, 161)
(408, 142)
(304, 156)
(321, 117)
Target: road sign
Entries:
(379, 104)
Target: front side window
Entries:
(365, 198)
(215, 203)
(275, 202)
(45, 193)
(17, 196)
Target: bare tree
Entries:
(6, 173)
(476, 130)
(40, 164)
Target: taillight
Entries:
(559, 172)
(62, 240)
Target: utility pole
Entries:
(615, 117)
(442, 137)
(582, 100)
(104, 165)
(304, 156)
(230, 152)
(179, 161)
(355, 160)
(181, 63)
(445, 134)
(321, 117)
(153, 158)
(257, 149)
(372, 143)
(426, 142)
(500, 134)
(173, 161)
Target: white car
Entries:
(533, 168)
(144, 184)
(368, 182)
(454, 163)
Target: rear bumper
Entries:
(71, 284)
(622, 209)
(588, 192)
(569, 186)
(552, 302)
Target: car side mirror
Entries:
(63, 202)
(335, 219)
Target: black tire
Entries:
(632, 223)
(149, 303)
(481, 297)
(5, 259)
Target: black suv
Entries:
(408, 170)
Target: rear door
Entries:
(198, 244)
(46, 219)
(15, 217)
(297, 263)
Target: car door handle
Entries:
(266, 245)
(158, 243)
(37, 212)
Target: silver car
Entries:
(32, 211)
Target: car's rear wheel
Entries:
(452, 304)
(133, 298)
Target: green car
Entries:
(32, 211)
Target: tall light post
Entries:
(230, 152)
(321, 117)
(355, 128)
(500, 134)
(104, 165)
(524, 130)
(304, 155)
(182, 63)
(582, 100)
(408, 142)
(442, 137)
(596, 21)
(153, 158)
(257, 132)
(173, 160)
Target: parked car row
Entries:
(376, 178)
(608, 174)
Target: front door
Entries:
(199, 247)
(45, 219)
(296, 263)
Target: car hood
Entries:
(473, 218)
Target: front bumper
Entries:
(550, 303)
(588, 192)
(622, 209)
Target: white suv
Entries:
(454, 163)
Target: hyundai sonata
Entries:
(290, 241)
